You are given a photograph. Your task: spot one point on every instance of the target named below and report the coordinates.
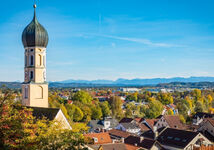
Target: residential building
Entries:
(143, 143)
(175, 139)
(207, 128)
(200, 116)
(100, 125)
(118, 135)
(99, 138)
(171, 121)
(128, 125)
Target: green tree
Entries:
(165, 98)
(74, 112)
(82, 96)
(105, 108)
(128, 113)
(132, 97)
(96, 112)
(116, 107)
(20, 130)
(155, 109)
(87, 113)
(199, 107)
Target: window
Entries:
(31, 60)
(31, 50)
(31, 75)
(26, 92)
(25, 60)
(44, 60)
(40, 60)
(95, 140)
(169, 137)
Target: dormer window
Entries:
(95, 140)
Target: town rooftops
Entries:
(126, 120)
(211, 121)
(99, 124)
(176, 138)
(140, 141)
(174, 121)
(151, 122)
(203, 115)
(99, 138)
(113, 146)
(119, 133)
(40, 112)
(130, 125)
(151, 135)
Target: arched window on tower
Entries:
(40, 60)
(31, 75)
(26, 92)
(31, 60)
(25, 60)
(44, 61)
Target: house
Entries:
(151, 134)
(142, 143)
(207, 128)
(199, 116)
(100, 125)
(171, 121)
(150, 123)
(98, 138)
(52, 114)
(118, 135)
(145, 124)
(175, 139)
(173, 108)
(114, 146)
(128, 125)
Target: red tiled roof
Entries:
(138, 119)
(211, 121)
(131, 147)
(119, 133)
(102, 138)
(174, 121)
(143, 127)
(126, 120)
(151, 122)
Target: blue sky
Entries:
(110, 39)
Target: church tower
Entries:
(35, 87)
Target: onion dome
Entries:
(35, 35)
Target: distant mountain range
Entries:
(158, 82)
(153, 81)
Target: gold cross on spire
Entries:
(34, 5)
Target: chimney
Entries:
(141, 138)
(122, 140)
(155, 135)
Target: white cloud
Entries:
(141, 41)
